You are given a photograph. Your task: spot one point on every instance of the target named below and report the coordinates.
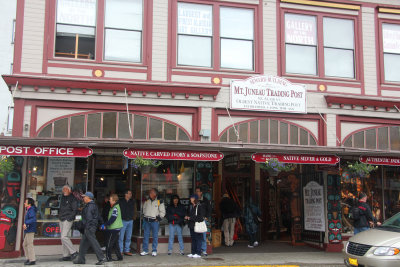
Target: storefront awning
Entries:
(376, 160)
(45, 151)
(297, 158)
(173, 154)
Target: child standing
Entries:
(29, 229)
(113, 225)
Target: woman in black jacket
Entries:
(175, 216)
(196, 213)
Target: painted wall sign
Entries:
(194, 19)
(314, 213)
(268, 93)
(174, 154)
(39, 151)
(297, 159)
(77, 12)
(391, 38)
(390, 161)
(300, 29)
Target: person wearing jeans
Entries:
(175, 216)
(128, 212)
(195, 214)
(207, 209)
(153, 212)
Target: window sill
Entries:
(213, 70)
(316, 79)
(94, 62)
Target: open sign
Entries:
(51, 230)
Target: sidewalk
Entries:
(239, 255)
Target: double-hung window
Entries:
(75, 29)
(195, 35)
(333, 55)
(391, 52)
(123, 30)
(215, 36)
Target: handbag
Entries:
(200, 227)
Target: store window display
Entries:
(46, 178)
(170, 178)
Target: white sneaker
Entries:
(154, 253)
(250, 246)
(196, 256)
(190, 255)
(256, 244)
(144, 253)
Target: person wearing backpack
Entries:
(362, 215)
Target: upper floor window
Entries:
(391, 52)
(80, 33)
(76, 29)
(203, 28)
(123, 30)
(333, 55)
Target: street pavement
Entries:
(272, 254)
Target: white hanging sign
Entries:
(314, 212)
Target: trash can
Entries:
(216, 238)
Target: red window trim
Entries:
(257, 49)
(358, 61)
(99, 42)
(384, 85)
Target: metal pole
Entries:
(383, 195)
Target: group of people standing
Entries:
(116, 221)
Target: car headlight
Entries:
(386, 251)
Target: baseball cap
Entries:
(89, 195)
(194, 196)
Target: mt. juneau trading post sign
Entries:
(268, 93)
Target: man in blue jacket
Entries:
(175, 216)
(90, 220)
(29, 229)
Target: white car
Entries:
(377, 247)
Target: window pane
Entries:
(194, 51)
(254, 132)
(339, 33)
(392, 67)
(359, 140)
(300, 29)
(301, 59)
(169, 131)
(383, 142)
(155, 130)
(370, 136)
(395, 138)
(243, 131)
(76, 12)
(195, 19)
(274, 131)
(236, 54)
(183, 136)
(140, 127)
(77, 126)
(93, 125)
(223, 137)
(312, 141)
(232, 135)
(61, 128)
(294, 135)
(237, 23)
(284, 133)
(303, 137)
(390, 35)
(109, 124)
(264, 131)
(339, 62)
(123, 125)
(123, 45)
(46, 131)
(124, 14)
(72, 30)
(348, 142)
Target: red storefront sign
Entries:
(297, 159)
(44, 151)
(377, 160)
(174, 154)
